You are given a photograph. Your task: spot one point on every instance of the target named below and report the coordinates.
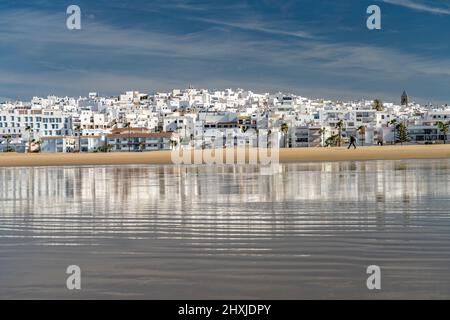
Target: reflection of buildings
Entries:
(214, 201)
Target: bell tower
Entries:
(404, 99)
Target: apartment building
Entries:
(139, 139)
(19, 122)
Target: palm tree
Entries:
(393, 122)
(332, 141)
(30, 131)
(285, 129)
(128, 125)
(105, 148)
(257, 137)
(378, 105)
(322, 132)
(178, 129)
(78, 130)
(362, 133)
(8, 140)
(443, 127)
(340, 127)
(173, 144)
(192, 139)
(141, 145)
(38, 142)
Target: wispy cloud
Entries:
(259, 27)
(420, 6)
(41, 56)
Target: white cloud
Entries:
(419, 6)
(211, 58)
(259, 27)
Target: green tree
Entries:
(257, 137)
(269, 138)
(402, 133)
(8, 138)
(378, 105)
(393, 122)
(141, 145)
(322, 133)
(39, 143)
(78, 130)
(105, 148)
(30, 131)
(340, 127)
(285, 130)
(362, 134)
(332, 141)
(443, 128)
(128, 125)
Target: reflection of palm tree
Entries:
(362, 132)
(322, 133)
(285, 129)
(340, 126)
(443, 127)
(269, 138)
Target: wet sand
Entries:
(285, 156)
(227, 232)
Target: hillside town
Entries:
(200, 118)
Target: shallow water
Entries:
(158, 232)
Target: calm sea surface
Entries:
(158, 232)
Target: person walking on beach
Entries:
(352, 142)
(380, 140)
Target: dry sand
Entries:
(286, 155)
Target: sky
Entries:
(314, 48)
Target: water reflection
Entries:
(331, 214)
(131, 188)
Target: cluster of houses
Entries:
(193, 118)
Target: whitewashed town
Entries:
(200, 118)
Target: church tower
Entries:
(405, 100)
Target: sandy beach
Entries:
(286, 155)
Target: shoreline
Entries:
(293, 155)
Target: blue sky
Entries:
(309, 47)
